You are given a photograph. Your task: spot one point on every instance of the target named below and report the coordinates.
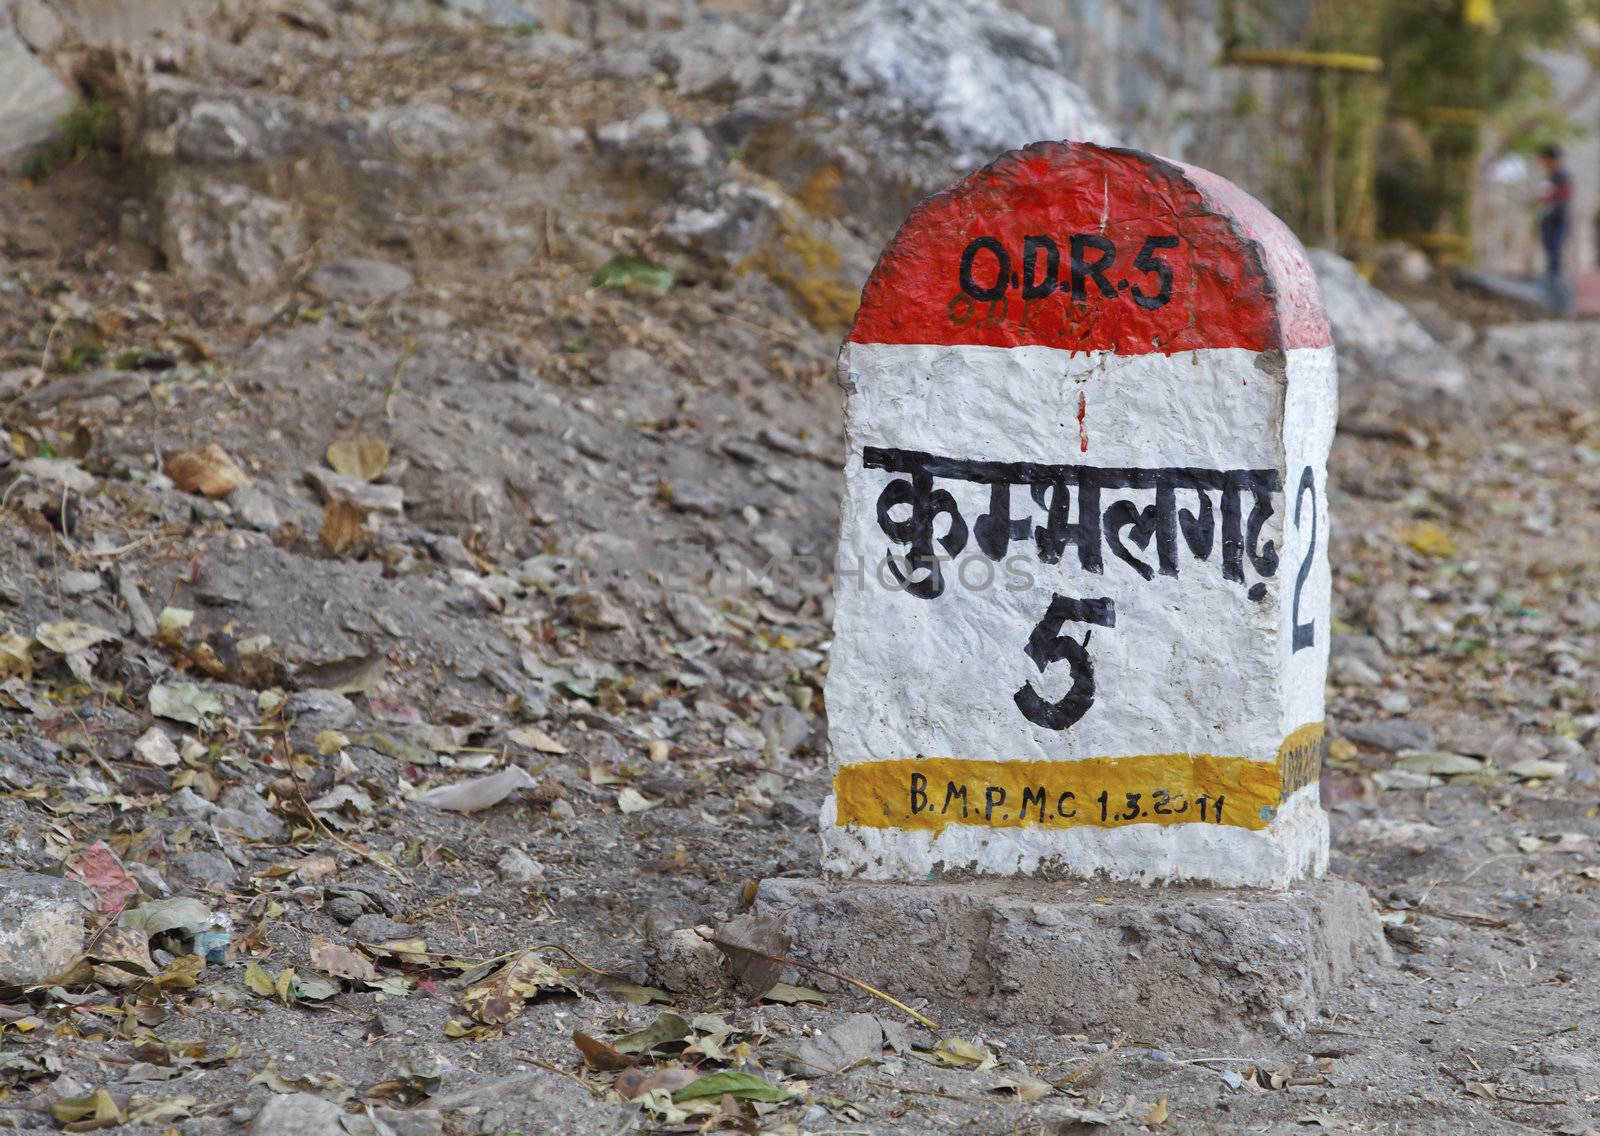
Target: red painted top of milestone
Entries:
(1071, 245)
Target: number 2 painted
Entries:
(1304, 633)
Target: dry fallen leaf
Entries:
(343, 528)
(257, 980)
(597, 1054)
(85, 1114)
(153, 747)
(341, 961)
(355, 674)
(363, 458)
(1026, 1088)
(1157, 1115)
(16, 655)
(98, 868)
(122, 957)
(634, 1083)
(537, 740)
(208, 470)
(1427, 538)
(666, 1029)
(500, 997)
(961, 1053)
(630, 800)
(750, 943)
(479, 793)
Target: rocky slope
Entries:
(563, 318)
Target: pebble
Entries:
(696, 499)
(562, 809)
(331, 486)
(783, 442)
(254, 508)
(1352, 672)
(517, 867)
(791, 728)
(297, 1114)
(204, 868)
(1392, 734)
(386, 1023)
(344, 909)
(737, 735)
(690, 616)
(379, 928)
(359, 280)
(79, 583)
(596, 610)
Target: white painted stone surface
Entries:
(1195, 663)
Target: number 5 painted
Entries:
(1047, 645)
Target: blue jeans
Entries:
(1553, 236)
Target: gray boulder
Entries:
(41, 926)
(224, 231)
(1387, 359)
(983, 77)
(31, 97)
(876, 104)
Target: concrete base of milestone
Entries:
(1175, 965)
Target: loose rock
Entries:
(1386, 358)
(369, 496)
(41, 926)
(1392, 735)
(297, 1114)
(380, 928)
(31, 98)
(518, 867)
(359, 281)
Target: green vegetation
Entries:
(1387, 106)
(86, 351)
(86, 129)
(1463, 74)
(633, 272)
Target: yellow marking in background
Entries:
(1325, 60)
(931, 793)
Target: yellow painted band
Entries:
(1331, 60)
(931, 793)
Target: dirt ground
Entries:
(559, 569)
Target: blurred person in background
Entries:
(1555, 208)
